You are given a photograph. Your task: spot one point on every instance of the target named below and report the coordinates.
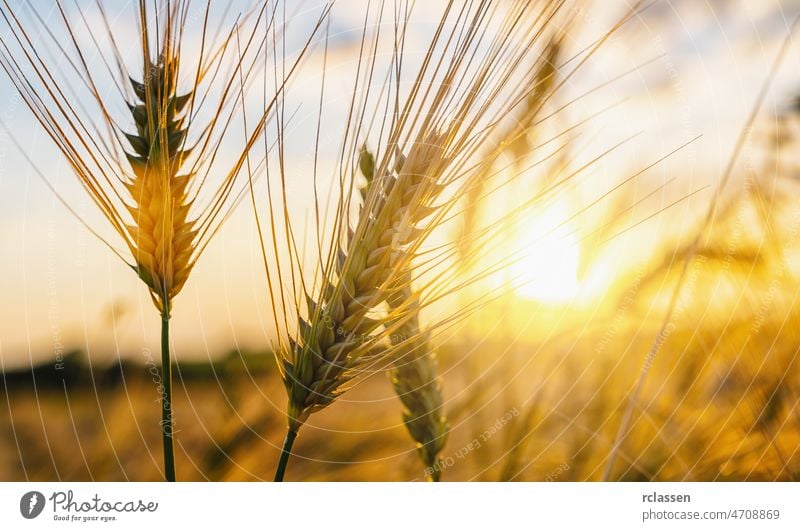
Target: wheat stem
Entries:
(159, 178)
(166, 399)
(286, 451)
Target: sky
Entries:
(694, 70)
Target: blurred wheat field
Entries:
(720, 402)
(606, 330)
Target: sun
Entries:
(549, 257)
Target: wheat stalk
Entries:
(366, 277)
(415, 376)
(338, 339)
(158, 182)
(347, 313)
(417, 383)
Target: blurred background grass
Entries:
(720, 400)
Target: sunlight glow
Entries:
(550, 257)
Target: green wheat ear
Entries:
(415, 375)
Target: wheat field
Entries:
(458, 241)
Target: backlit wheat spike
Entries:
(339, 331)
(159, 176)
(415, 377)
(162, 237)
(416, 381)
(435, 133)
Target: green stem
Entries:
(285, 453)
(166, 398)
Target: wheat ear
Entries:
(338, 340)
(161, 237)
(416, 381)
(147, 182)
(338, 322)
(415, 376)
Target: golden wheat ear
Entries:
(158, 175)
(162, 237)
(435, 133)
(347, 311)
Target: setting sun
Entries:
(547, 270)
